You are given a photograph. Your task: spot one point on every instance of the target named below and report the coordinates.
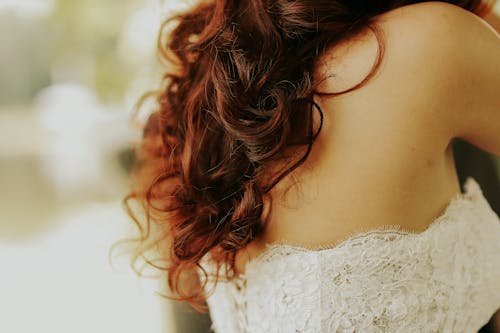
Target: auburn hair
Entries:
(236, 98)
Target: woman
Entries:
(298, 174)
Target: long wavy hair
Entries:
(237, 98)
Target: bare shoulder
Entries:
(433, 16)
(439, 69)
(437, 39)
(456, 55)
(432, 39)
(411, 36)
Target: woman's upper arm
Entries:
(478, 115)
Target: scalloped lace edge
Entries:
(472, 192)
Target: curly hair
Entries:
(236, 99)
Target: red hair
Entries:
(238, 95)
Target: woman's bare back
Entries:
(383, 156)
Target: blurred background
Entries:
(70, 73)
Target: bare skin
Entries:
(383, 157)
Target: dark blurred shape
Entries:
(126, 158)
(474, 162)
(187, 320)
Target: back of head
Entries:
(236, 100)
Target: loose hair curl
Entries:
(237, 96)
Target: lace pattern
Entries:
(444, 279)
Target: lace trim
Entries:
(443, 279)
(472, 192)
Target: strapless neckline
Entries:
(472, 191)
(387, 279)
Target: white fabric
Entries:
(445, 279)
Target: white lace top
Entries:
(444, 279)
